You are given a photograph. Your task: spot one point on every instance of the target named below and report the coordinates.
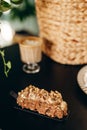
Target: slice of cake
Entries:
(44, 102)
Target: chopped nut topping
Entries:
(47, 103)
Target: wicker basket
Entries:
(63, 29)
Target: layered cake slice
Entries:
(44, 102)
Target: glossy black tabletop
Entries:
(52, 76)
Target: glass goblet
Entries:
(30, 53)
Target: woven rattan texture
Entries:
(63, 28)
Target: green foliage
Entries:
(19, 8)
(5, 6)
(25, 10)
(0, 13)
(16, 1)
(7, 66)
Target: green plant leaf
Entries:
(9, 64)
(4, 6)
(16, 1)
(2, 53)
(0, 13)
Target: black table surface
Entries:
(52, 76)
